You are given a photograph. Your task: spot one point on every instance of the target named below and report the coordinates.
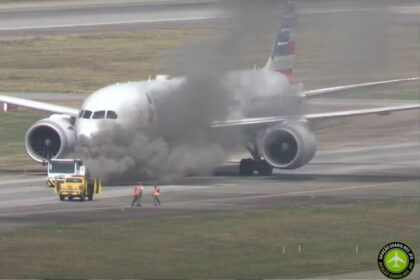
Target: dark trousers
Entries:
(156, 200)
(136, 198)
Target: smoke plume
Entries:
(181, 143)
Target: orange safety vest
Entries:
(156, 192)
(137, 191)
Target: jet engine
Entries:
(289, 145)
(50, 138)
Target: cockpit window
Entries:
(87, 114)
(111, 115)
(99, 115)
(81, 113)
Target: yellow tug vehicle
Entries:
(78, 186)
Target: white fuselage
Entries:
(250, 93)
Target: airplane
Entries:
(396, 259)
(274, 136)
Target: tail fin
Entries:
(282, 56)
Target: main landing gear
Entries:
(249, 165)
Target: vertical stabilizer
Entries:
(283, 53)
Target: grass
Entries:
(337, 49)
(86, 63)
(227, 245)
(23, 1)
(13, 127)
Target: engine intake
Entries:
(288, 145)
(50, 138)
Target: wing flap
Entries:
(39, 106)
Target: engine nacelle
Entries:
(288, 145)
(50, 138)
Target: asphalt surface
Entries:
(61, 19)
(335, 177)
(30, 22)
(377, 173)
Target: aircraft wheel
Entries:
(246, 167)
(264, 168)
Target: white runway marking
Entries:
(108, 23)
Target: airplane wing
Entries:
(266, 121)
(39, 106)
(332, 90)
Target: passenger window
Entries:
(87, 114)
(81, 113)
(99, 115)
(111, 115)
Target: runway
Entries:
(378, 173)
(106, 17)
(63, 19)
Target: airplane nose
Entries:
(85, 130)
(84, 136)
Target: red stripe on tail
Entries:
(288, 73)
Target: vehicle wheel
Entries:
(246, 167)
(264, 168)
(70, 198)
(82, 197)
(61, 197)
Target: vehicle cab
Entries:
(59, 169)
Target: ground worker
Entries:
(137, 194)
(91, 186)
(156, 195)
